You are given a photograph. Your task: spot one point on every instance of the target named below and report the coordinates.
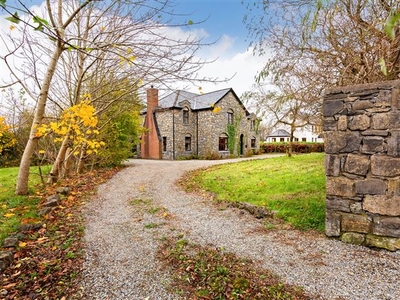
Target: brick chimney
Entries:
(151, 142)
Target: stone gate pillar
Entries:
(362, 164)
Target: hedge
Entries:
(297, 147)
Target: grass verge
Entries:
(48, 259)
(293, 187)
(14, 209)
(208, 273)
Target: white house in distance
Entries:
(310, 133)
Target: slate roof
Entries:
(280, 133)
(197, 101)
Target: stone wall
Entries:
(362, 145)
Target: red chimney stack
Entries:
(151, 142)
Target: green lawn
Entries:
(292, 186)
(16, 209)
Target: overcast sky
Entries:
(223, 23)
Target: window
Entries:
(185, 116)
(282, 139)
(223, 143)
(252, 124)
(230, 117)
(303, 139)
(188, 143)
(164, 144)
(253, 142)
(274, 140)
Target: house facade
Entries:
(188, 125)
(309, 133)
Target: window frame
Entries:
(223, 143)
(253, 142)
(252, 124)
(188, 143)
(185, 116)
(230, 117)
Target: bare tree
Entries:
(319, 44)
(75, 36)
(342, 41)
(288, 104)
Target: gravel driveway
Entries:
(122, 235)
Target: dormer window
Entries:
(230, 116)
(185, 115)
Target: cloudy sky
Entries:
(223, 23)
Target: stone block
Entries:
(63, 190)
(395, 98)
(359, 122)
(386, 226)
(338, 204)
(382, 204)
(356, 208)
(342, 123)
(361, 105)
(340, 186)
(380, 121)
(394, 120)
(371, 145)
(6, 258)
(356, 223)
(389, 243)
(393, 187)
(353, 238)
(53, 200)
(343, 142)
(332, 107)
(384, 98)
(371, 187)
(393, 143)
(329, 124)
(332, 224)
(386, 166)
(10, 242)
(357, 164)
(332, 165)
(370, 132)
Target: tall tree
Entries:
(130, 34)
(339, 42)
(312, 45)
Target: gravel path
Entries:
(123, 233)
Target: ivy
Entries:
(231, 137)
(232, 132)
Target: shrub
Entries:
(297, 147)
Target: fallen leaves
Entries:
(48, 261)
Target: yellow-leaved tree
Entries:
(7, 139)
(77, 132)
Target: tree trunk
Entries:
(55, 170)
(79, 167)
(290, 150)
(23, 174)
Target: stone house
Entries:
(188, 125)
